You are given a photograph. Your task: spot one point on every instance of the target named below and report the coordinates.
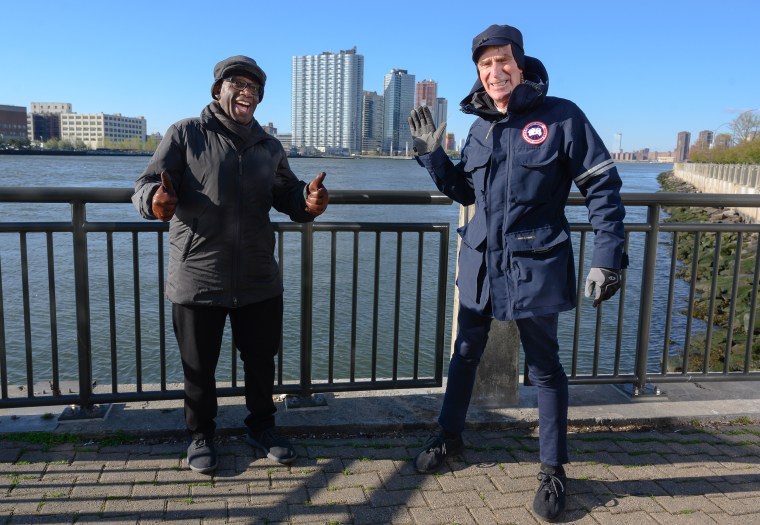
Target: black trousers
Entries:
(256, 332)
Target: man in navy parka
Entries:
(515, 262)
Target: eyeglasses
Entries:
(241, 85)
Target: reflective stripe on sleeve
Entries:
(581, 179)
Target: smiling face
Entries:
(499, 73)
(238, 105)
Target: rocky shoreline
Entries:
(729, 328)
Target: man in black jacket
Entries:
(216, 178)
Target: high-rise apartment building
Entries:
(681, 153)
(327, 94)
(398, 95)
(441, 111)
(705, 139)
(722, 141)
(617, 145)
(451, 142)
(425, 93)
(372, 122)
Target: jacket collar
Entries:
(255, 134)
(525, 97)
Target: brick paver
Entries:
(665, 476)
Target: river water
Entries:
(349, 174)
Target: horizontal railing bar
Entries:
(36, 227)
(124, 195)
(155, 226)
(717, 200)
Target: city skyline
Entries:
(647, 73)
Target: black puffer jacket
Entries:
(221, 239)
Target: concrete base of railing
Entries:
(77, 413)
(498, 377)
(293, 402)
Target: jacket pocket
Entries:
(477, 157)
(536, 177)
(189, 239)
(536, 241)
(541, 268)
(474, 232)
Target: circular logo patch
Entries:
(535, 133)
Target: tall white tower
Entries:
(398, 96)
(618, 144)
(326, 102)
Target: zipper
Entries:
(237, 233)
(493, 125)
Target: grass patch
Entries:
(117, 438)
(44, 439)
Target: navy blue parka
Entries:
(518, 168)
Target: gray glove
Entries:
(426, 138)
(603, 282)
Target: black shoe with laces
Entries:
(435, 450)
(201, 456)
(549, 502)
(276, 447)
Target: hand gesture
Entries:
(164, 199)
(317, 197)
(425, 137)
(603, 283)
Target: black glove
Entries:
(603, 282)
(426, 138)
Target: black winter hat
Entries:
(241, 65)
(497, 35)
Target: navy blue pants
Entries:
(539, 340)
(256, 331)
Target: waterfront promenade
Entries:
(688, 456)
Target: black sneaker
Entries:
(435, 450)
(549, 502)
(201, 456)
(275, 446)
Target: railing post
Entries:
(82, 297)
(86, 409)
(304, 399)
(647, 294)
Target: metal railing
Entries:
(416, 360)
(379, 319)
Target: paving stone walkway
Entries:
(675, 475)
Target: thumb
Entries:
(166, 182)
(589, 287)
(317, 182)
(441, 131)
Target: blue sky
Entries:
(645, 69)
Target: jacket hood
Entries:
(526, 96)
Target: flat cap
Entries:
(241, 65)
